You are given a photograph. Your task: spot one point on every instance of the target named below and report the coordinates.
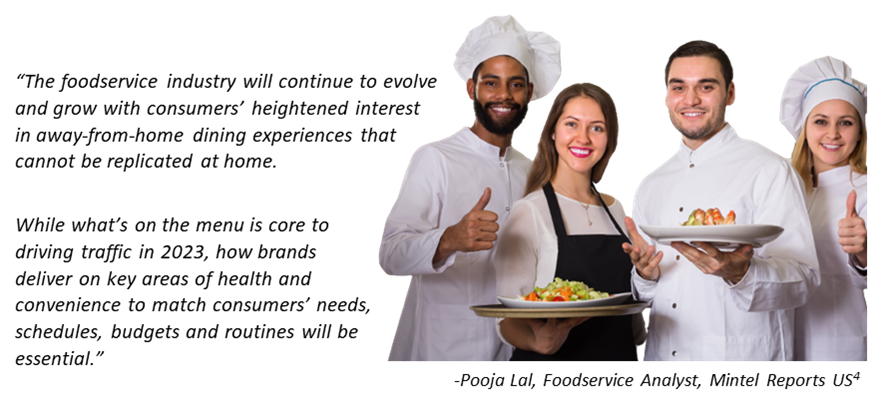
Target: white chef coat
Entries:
(528, 247)
(832, 326)
(695, 316)
(444, 181)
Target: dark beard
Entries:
(499, 128)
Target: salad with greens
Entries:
(563, 290)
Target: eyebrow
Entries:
(594, 121)
(495, 76)
(701, 81)
(826, 116)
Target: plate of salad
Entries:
(563, 294)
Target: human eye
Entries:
(820, 122)
(572, 124)
(598, 128)
(846, 123)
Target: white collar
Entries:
(482, 147)
(836, 176)
(707, 150)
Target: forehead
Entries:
(502, 66)
(583, 107)
(835, 107)
(695, 68)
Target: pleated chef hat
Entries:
(821, 80)
(538, 52)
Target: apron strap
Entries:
(554, 210)
(605, 205)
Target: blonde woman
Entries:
(825, 108)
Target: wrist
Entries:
(443, 249)
(648, 278)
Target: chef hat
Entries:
(497, 36)
(821, 80)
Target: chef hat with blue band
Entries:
(538, 52)
(821, 80)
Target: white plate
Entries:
(516, 303)
(721, 236)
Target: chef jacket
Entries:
(832, 326)
(443, 183)
(528, 248)
(695, 316)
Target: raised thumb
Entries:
(851, 204)
(483, 201)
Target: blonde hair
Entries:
(802, 157)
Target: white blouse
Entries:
(528, 249)
(832, 326)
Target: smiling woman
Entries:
(547, 158)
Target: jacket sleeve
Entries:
(642, 290)
(412, 231)
(784, 273)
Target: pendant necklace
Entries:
(584, 205)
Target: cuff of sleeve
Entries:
(854, 262)
(747, 281)
(443, 264)
(642, 290)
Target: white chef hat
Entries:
(821, 80)
(538, 52)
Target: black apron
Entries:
(598, 261)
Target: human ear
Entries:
(471, 87)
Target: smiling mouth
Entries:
(502, 110)
(580, 152)
(831, 147)
(692, 114)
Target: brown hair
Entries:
(802, 157)
(703, 48)
(546, 161)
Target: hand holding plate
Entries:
(551, 334)
(731, 266)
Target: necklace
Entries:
(582, 204)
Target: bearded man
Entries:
(443, 227)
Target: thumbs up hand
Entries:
(852, 232)
(477, 230)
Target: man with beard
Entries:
(457, 191)
(712, 304)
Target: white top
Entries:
(832, 326)
(444, 181)
(528, 247)
(695, 316)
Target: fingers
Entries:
(633, 232)
(483, 201)
(851, 204)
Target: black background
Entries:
(431, 102)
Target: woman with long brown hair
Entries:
(564, 228)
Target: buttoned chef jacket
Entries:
(443, 183)
(832, 326)
(696, 316)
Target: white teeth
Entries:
(693, 114)
(830, 146)
(579, 151)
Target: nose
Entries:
(691, 98)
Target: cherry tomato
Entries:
(558, 298)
